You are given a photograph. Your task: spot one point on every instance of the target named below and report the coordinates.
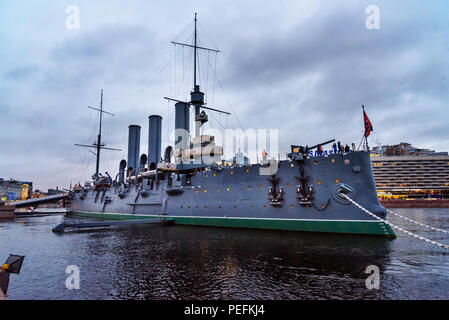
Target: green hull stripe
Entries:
(351, 227)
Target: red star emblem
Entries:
(346, 161)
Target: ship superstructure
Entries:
(189, 184)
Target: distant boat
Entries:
(33, 211)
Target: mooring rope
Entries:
(418, 223)
(442, 245)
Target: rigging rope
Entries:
(418, 223)
(439, 244)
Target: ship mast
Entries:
(194, 53)
(196, 96)
(98, 146)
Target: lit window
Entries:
(315, 162)
(247, 170)
(218, 189)
(292, 206)
(337, 180)
(227, 189)
(318, 182)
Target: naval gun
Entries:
(301, 153)
(12, 265)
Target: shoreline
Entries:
(415, 203)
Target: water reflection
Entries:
(179, 262)
(209, 263)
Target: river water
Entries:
(180, 262)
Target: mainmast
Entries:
(97, 167)
(98, 146)
(194, 53)
(196, 96)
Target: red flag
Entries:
(368, 125)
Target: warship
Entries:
(190, 185)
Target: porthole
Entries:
(250, 188)
(232, 172)
(333, 160)
(315, 162)
(205, 190)
(318, 182)
(292, 206)
(264, 206)
(261, 186)
(252, 206)
(218, 189)
(247, 170)
(337, 180)
(323, 206)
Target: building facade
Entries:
(412, 176)
(12, 190)
(404, 149)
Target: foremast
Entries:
(99, 145)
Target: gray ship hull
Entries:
(238, 197)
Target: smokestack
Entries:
(182, 124)
(133, 147)
(154, 140)
(121, 171)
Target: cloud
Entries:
(303, 68)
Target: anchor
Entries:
(274, 195)
(304, 190)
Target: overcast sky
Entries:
(302, 67)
